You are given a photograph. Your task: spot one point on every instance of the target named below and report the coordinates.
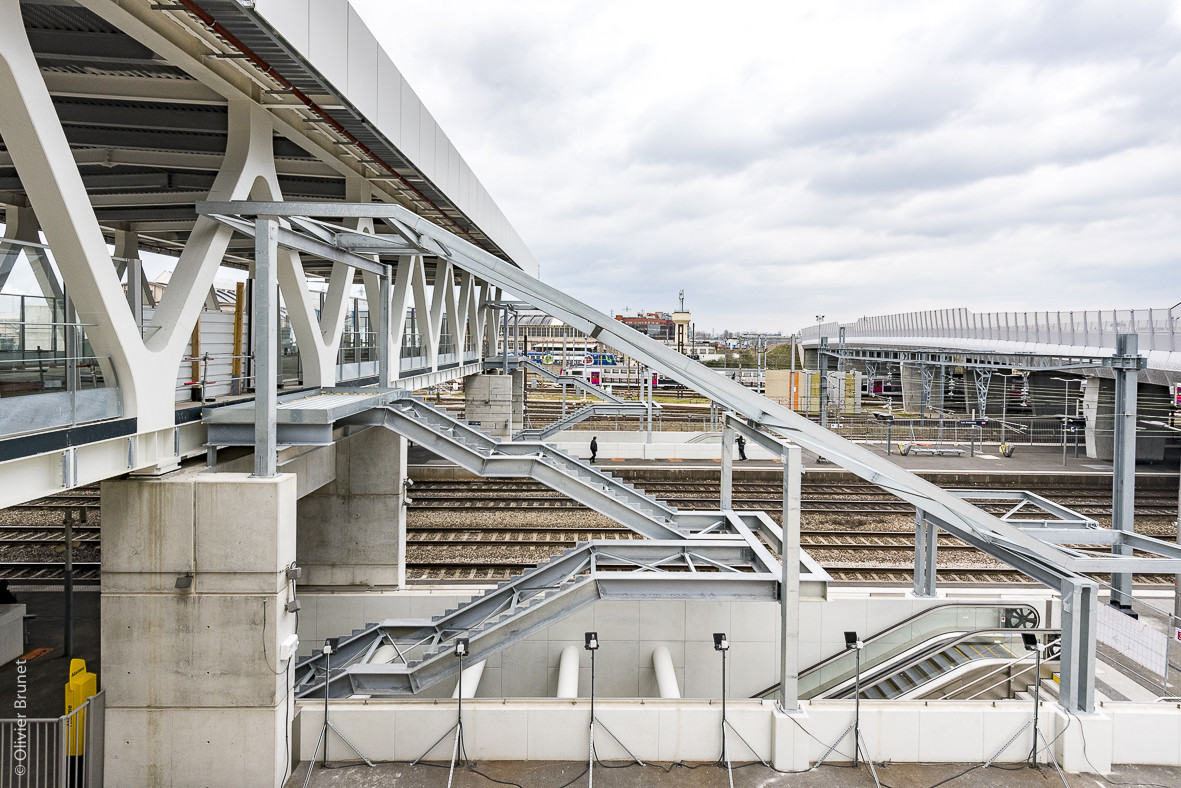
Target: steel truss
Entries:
(1046, 563)
(718, 568)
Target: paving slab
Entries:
(541, 774)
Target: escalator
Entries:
(946, 651)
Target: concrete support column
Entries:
(352, 531)
(518, 413)
(194, 623)
(926, 545)
(1079, 625)
(727, 497)
(919, 395)
(488, 403)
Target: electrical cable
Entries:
(1083, 735)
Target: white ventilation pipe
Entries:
(666, 676)
(568, 673)
(471, 680)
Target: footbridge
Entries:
(278, 141)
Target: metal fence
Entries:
(1157, 329)
(66, 752)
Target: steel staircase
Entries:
(419, 652)
(570, 380)
(590, 411)
(480, 453)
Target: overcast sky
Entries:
(778, 161)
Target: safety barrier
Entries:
(66, 752)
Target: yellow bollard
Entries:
(82, 686)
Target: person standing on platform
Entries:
(741, 448)
(594, 447)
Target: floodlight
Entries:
(720, 642)
(330, 645)
(461, 647)
(592, 641)
(1030, 641)
(185, 580)
(851, 640)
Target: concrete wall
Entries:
(676, 730)
(196, 692)
(488, 403)
(352, 530)
(912, 388)
(1099, 410)
(630, 630)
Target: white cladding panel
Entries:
(331, 35)
(362, 60)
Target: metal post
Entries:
(822, 371)
(504, 350)
(857, 712)
(266, 344)
(1124, 466)
(648, 381)
(69, 585)
(385, 363)
(1079, 623)
(791, 381)
(926, 546)
(1037, 700)
(590, 765)
(727, 463)
(789, 596)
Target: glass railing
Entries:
(905, 635)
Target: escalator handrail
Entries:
(999, 604)
(925, 650)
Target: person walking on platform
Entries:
(594, 448)
(741, 448)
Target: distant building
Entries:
(658, 325)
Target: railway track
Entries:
(468, 552)
(852, 556)
(817, 498)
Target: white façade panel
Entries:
(290, 18)
(426, 144)
(453, 174)
(329, 39)
(362, 66)
(439, 176)
(411, 109)
(389, 98)
(465, 191)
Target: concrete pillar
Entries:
(352, 531)
(197, 692)
(1099, 411)
(926, 547)
(912, 389)
(488, 403)
(518, 377)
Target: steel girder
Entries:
(1043, 562)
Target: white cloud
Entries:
(782, 160)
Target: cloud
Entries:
(778, 161)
